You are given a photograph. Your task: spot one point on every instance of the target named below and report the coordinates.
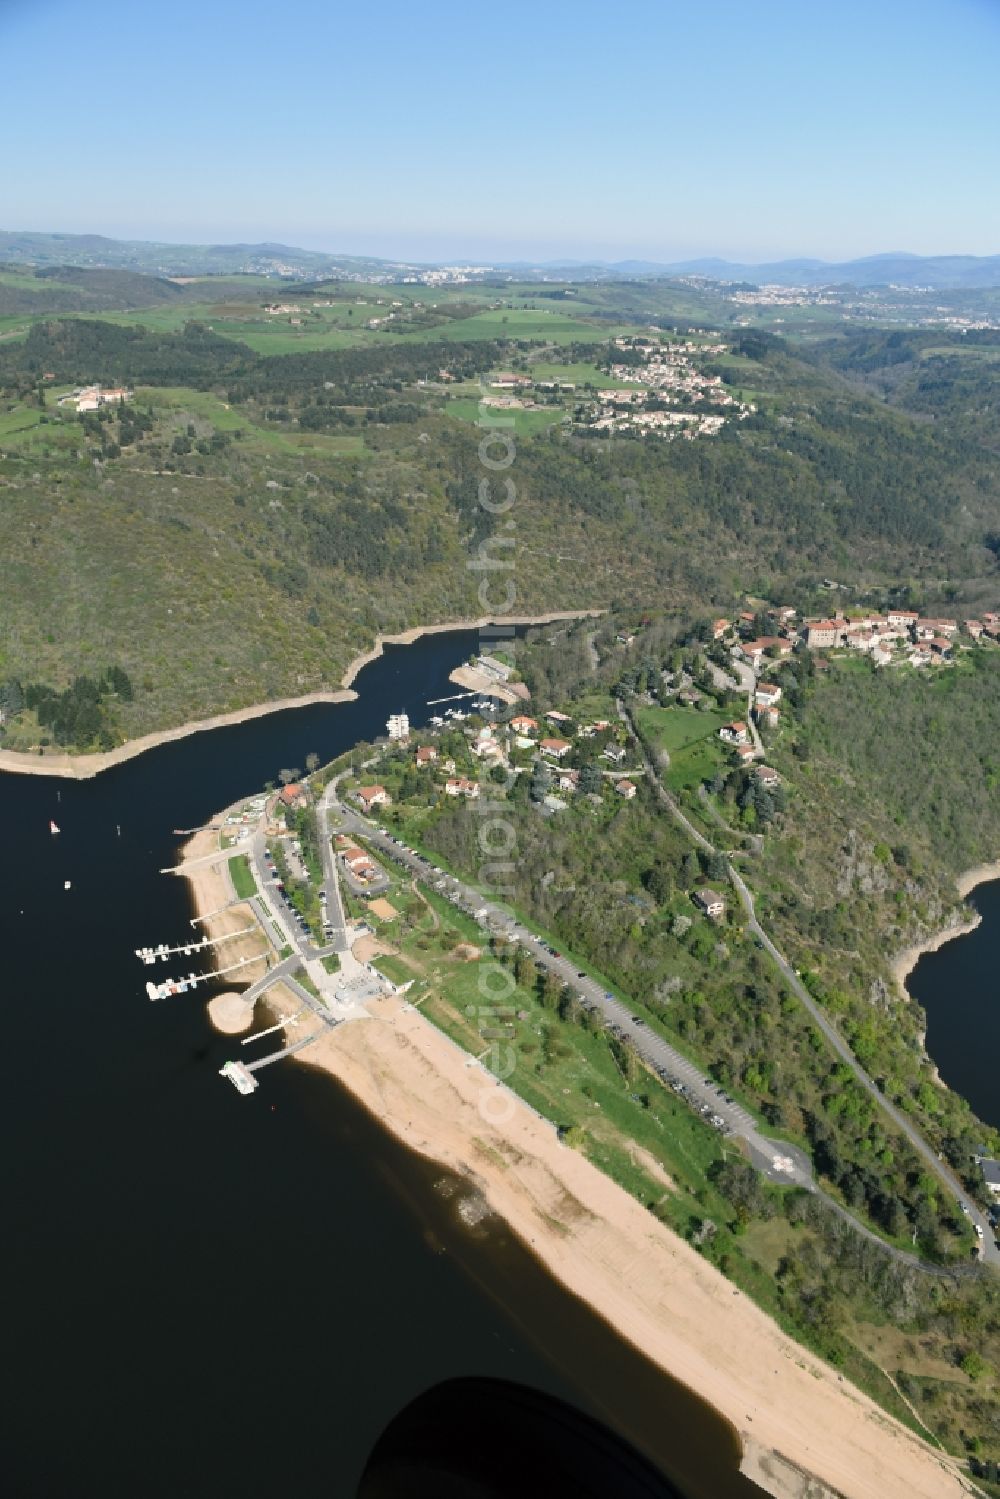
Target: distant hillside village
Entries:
(670, 396)
(899, 635)
(657, 391)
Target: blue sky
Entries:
(655, 129)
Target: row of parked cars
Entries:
(616, 1030)
(296, 916)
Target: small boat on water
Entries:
(67, 884)
(52, 826)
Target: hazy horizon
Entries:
(455, 135)
(573, 256)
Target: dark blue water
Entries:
(957, 986)
(211, 1295)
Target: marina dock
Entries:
(291, 1020)
(192, 980)
(241, 1074)
(284, 1051)
(149, 955)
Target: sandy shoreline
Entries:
(84, 767)
(654, 1289)
(793, 1415)
(903, 964)
(211, 891)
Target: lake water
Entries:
(957, 986)
(211, 1295)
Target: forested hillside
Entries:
(248, 520)
(850, 855)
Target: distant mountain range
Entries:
(943, 272)
(152, 258)
(940, 272)
(895, 269)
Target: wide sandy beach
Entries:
(211, 891)
(795, 1416)
(83, 767)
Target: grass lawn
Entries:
(394, 968)
(578, 374)
(676, 728)
(243, 881)
(567, 1074)
(690, 738)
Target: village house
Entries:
(293, 796)
(522, 724)
(711, 902)
(941, 647)
(556, 717)
(373, 796)
(626, 789)
(754, 650)
(991, 1176)
(557, 747)
(745, 753)
(823, 633)
(902, 619)
(767, 694)
(461, 786)
(568, 780)
(974, 628)
(720, 628)
(768, 716)
(615, 753)
(359, 863)
(734, 733)
(426, 754)
(767, 776)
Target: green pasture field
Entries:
(550, 327)
(578, 375)
(676, 728)
(690, 738)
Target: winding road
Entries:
(988, 1249)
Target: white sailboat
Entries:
(52, 827)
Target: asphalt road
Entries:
(780, 1162)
